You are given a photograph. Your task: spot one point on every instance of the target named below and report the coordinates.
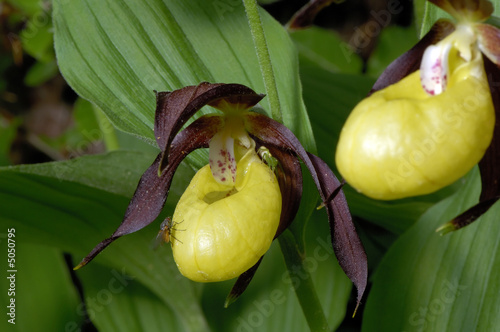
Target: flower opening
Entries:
(227, 230)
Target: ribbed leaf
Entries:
(440, 283)
(115, 53)
(73, 217)
(121, 304)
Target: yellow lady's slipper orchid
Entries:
(246, 196)
(425, 131)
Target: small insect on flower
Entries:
(164, 234)
(268, 158)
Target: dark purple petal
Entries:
(410, 61)
(488, 166)
(152, 190)
(346, 243)
(468, 217)
(274, 134)
(289, 174)
(489, 41)
(241, 284)
(305, 16)
(173, 109)
(170, 111)
(333, 194)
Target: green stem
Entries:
(303, 285)
(266, 67)
(107, 130)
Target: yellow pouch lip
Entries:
(224, 237)
(432, 117)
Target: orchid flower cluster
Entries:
(428, 120)
(246, 196)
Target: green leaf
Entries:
(323, 48)
(393, 42)
(121, 304)
(426, 15)
(68, 209)
(429, 282)
(42, 282)
(131, 48)
(115, 172)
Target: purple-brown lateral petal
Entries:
(488, 166)
(289, 175)
(305, 16)
(489, 42)
(170, 106)
(346, 243)
(152, 190)
(469, 216)
(241, 284)
(409, 62)
(173, 109)
(274, 134)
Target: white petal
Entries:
(221, 158)
(434, 69)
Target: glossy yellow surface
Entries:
(223, 231)
(401, 142)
